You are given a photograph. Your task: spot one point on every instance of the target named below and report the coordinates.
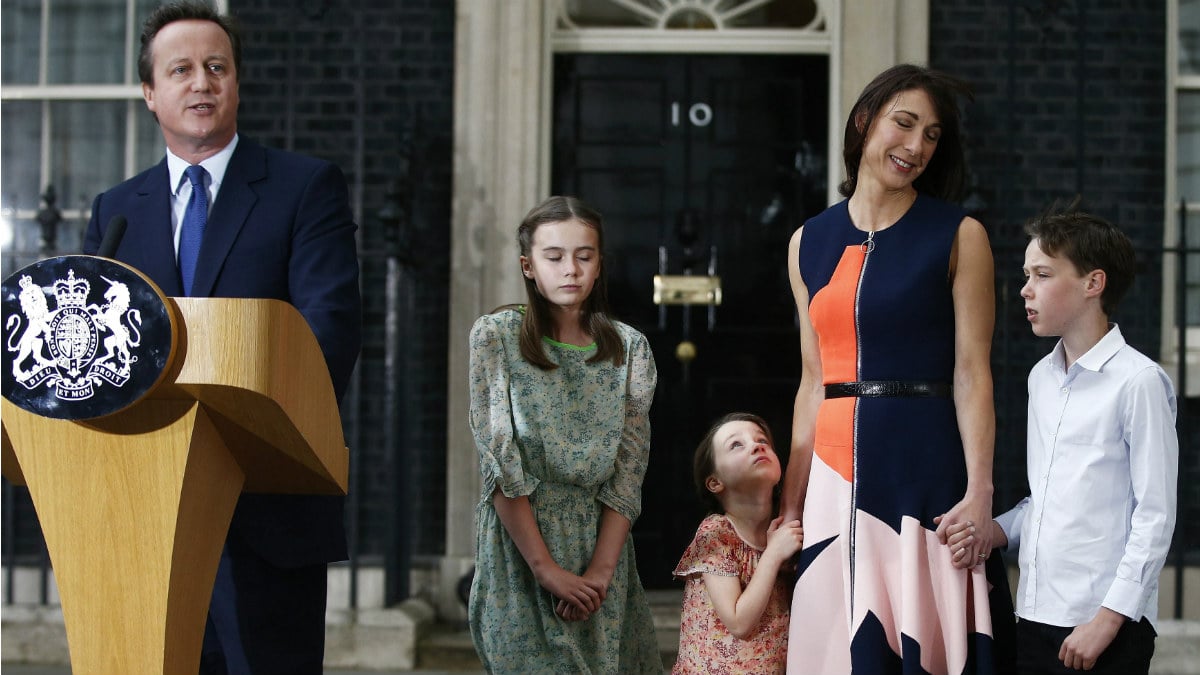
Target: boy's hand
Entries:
(1088, 641)
(961, 539)
(784, 539)
(974, 509)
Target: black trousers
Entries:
(1129, 653)
(263, 619)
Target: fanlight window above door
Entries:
(719, 15)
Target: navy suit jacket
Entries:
(280, 227)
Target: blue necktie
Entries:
(194, 220)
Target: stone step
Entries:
(408, 636)
(448, 647)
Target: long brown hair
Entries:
(944, 176)
(537, 322)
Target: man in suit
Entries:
(262, 224)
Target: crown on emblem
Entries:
(71, 292)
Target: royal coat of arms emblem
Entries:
(66, 346)
(58, 347)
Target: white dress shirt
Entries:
(181, 188)
(1103, 458)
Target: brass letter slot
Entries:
(681, 289)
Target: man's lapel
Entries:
(149, 234)
(229, 213)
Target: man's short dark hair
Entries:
(1090, 243)
(185, 10)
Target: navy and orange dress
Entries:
(876, 591)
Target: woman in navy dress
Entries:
(894, 425)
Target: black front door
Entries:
(697, 163)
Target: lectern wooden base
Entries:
(148, 492)
(135, 503)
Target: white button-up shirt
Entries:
(1103, 459)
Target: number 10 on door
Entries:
(699, 114)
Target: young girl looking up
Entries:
(735, 601)
(560, 402)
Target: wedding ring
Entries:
(983, 556)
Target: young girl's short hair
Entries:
(703, 464)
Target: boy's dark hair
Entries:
(945, 174)
(185, 10)
(703, 464)
(1090, 243)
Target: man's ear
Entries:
(148, 96)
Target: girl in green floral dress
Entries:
(560, 401)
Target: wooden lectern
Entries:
(135, 506)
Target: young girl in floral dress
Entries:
(735, 598)
(560, 403)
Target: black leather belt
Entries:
(888, 388)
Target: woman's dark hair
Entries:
(944, 176)
(186, 10)
(537, 322)
(704, 464)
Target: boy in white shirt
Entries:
(1102, 462)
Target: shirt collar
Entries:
(215, 166)
(1095, 358)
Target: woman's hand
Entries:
(959, 538)
(973, 290)
(969, 522)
